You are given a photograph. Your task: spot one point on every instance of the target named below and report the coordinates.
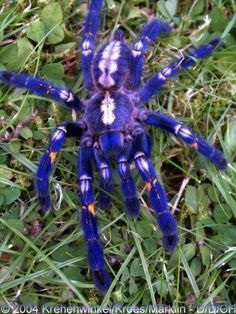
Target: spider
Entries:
(112, 127)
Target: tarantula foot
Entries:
(45, 204)
(170, 241)
(104, 201)
(219, 160)
(133, 206)
(102, 280)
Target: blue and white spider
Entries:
(112, 126)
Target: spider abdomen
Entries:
(111, 65)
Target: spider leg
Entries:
(91, 26)
(95, 252)
(156, 83)
(128, 187)
(48, 159)
(157, 196)
(42, 87)
(149, 33)
(103, 165)
(174, 127)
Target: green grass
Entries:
(43, 259)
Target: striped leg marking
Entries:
(157, 82)
(48, 159)
(150, 32)
(158, 200)
(104, 198)
(91, 27)
(128, 187)
(186, 135)
(45, 168)
(42, 88)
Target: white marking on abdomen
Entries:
(107, 109)
(112, 51)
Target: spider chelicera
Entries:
(111, 126)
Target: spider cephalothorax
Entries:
(112, 126)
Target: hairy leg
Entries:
(157, 196)
(150, 32)
(103, 165)
(95, 251)
(174, 127)
(128, 187)
(42, 87)
(91, 26)
(49, 157)
(157, 82)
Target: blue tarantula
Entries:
(112, 126)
